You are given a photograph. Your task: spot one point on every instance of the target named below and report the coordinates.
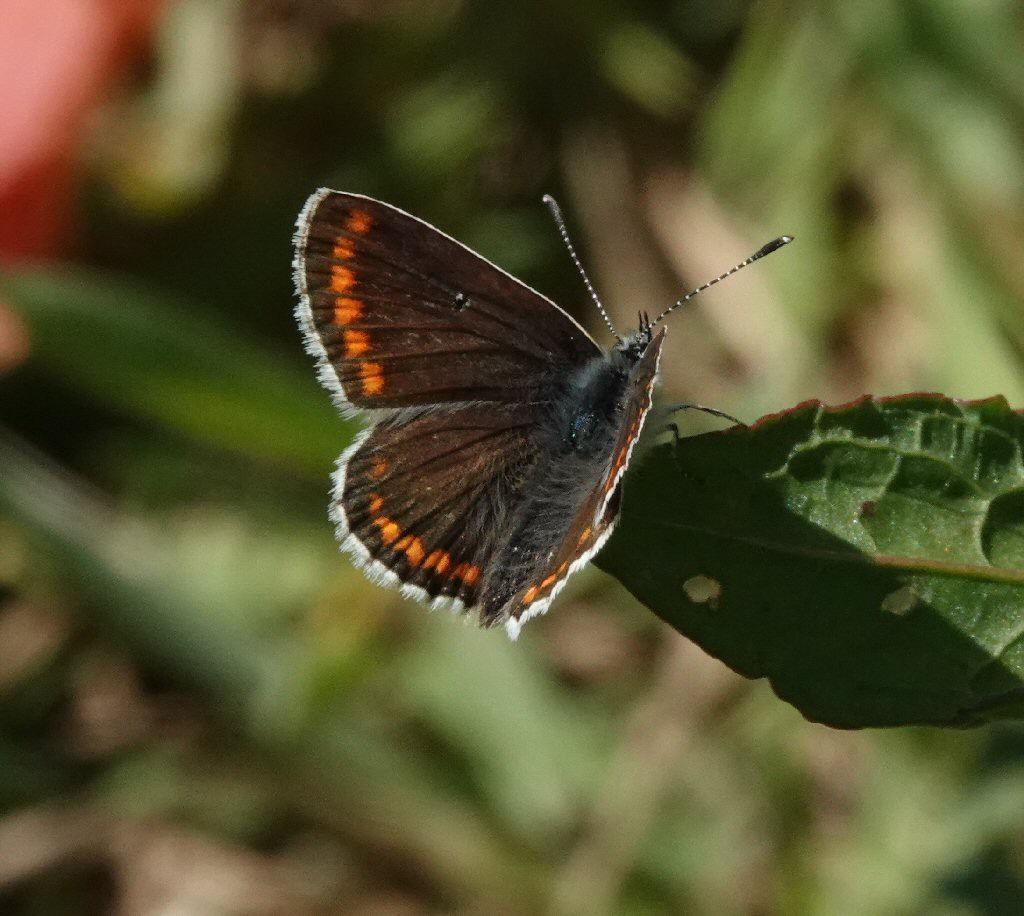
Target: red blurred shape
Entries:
(57, 60)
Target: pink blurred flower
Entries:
(58, 58)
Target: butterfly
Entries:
(499, 431)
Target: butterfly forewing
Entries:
(401, 315)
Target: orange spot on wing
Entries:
(342, 278)
(344, 250)
(563, 567)
(359, 222)
(347, 310)
(585, 536)
(376, 503)
(531, 595)
(415, 551)
(467, 573)
(389, 530)
(439, 558)
(372, 377)
(619, 462)
(549, 581)
(356, 343)
(380, 467)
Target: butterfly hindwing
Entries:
(423, 499)
(469, 506)
(399, 314)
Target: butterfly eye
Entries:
(461, 302)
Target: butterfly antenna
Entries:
(773, 245)
(556, 213)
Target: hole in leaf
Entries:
(703, 590)
(900, 602)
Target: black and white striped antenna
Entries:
(556, 213)
(773, 245)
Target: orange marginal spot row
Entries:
(439, 560)
(391, 534)
(534, 590)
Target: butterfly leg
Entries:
(672, 427)
(676, 439)
(685, 405)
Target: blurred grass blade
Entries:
(376, 786)
(449, 679)
(126, 566)
(153, 357)
(868, 559)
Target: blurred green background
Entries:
(204, 709)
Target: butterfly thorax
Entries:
(594, 393)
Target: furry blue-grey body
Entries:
(575, 446)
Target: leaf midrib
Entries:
(853, 557)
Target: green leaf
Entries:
(867, 559)
(173, 363)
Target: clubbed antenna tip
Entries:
(773, 245)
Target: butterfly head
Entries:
(633, 346)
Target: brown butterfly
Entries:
(499, 430)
